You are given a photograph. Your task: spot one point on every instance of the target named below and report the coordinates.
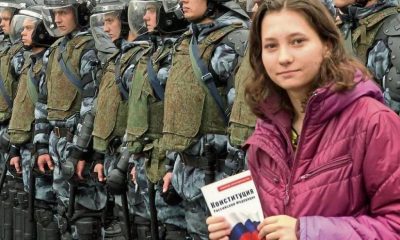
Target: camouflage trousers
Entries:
(188, 181)
(90, 195)
(166, 214)
(43, 184)
(135, 200)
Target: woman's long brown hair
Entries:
(337, 68)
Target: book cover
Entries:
(237, 200)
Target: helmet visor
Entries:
(6, 14)
(106, 28)
(143, 16)
(59, 21)
(59, 3)
(12, 5)
(170, 5)
(22, 27)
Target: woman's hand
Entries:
(279, 227)
(218, 227)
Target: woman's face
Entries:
(292, 52)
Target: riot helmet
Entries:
(7, 10)
(62, 17)
(29, 26)
(150, 16)
(109, 23)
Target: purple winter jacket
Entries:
(344, 180)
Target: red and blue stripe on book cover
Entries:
(245, 231)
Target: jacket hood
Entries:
(324, 104)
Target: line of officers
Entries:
(114, 114)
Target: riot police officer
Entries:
(11, 62)
(35, 41)
(109, 25)
(144, 127)
(196, 108)
(62, 139)
(11, 58)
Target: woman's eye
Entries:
(270, 46)
(298, 41)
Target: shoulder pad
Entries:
(237, 40)
(392, 28)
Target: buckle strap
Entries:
(60, 132)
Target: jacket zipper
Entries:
(294, 163)
(338, 163)
(271, 176)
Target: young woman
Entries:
(325, 154)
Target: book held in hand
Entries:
(237, 200)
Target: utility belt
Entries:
(61, 132)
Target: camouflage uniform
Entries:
(21, 133)
(12, 60)
(111, 117)
(22, 120)
(372, 35)
(59, 115)
(191, 118)
(145, 122)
